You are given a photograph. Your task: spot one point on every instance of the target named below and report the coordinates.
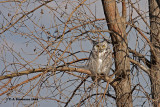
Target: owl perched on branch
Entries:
(100, 60)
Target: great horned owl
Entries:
(100, 60)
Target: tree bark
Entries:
(116, 23)
(154, 14)
(158, 2)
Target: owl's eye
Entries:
(103, 46)
(97, 46)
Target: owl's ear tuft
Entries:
(91, 40)
(107, 40)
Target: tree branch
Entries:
(26, 72)
(142, 57)
(25, 14)
(74, 92)
(124, 13)
(51, 69)
(140, 65)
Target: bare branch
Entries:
(51, 69)
(141, 57)
(74, 92)
(24, 16)
(124, 10)
(140, 65)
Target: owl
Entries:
(100, 60)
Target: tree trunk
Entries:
(154, 14)
(119, 40)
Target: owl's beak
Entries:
(100, 49)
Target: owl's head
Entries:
(100, 46)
